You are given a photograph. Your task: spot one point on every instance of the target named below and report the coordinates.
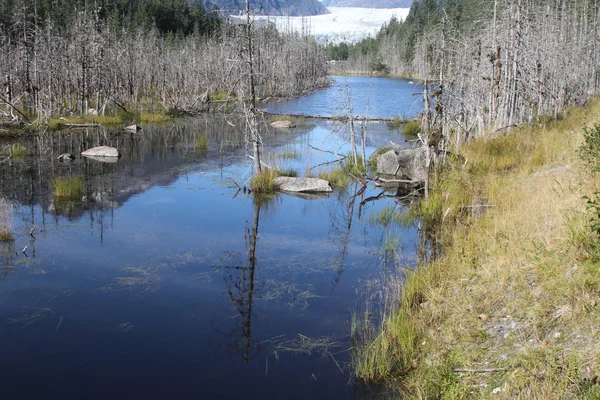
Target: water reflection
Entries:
(161, 253)
(240, 289)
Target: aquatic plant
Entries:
(294, 155)
(288, 172)
(6, 219)
(337, 177)
(264, 181)
(397, 122)
(71, 188)
(383, 217)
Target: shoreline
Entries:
(510, 306)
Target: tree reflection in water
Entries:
(240, 284)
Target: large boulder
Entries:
(402, 163)
(310, 185)
(102, 151)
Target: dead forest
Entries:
(491, 64)
(92, 64)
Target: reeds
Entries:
(71, 188)
(264, 181)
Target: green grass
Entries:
(411, 130)
(384, 217)
(340, 175)
(6, 220)
(264, 181)
(288, 172)
(71, 188)
(18, 150)
(111, 120)
(397, 122)
(337, 177)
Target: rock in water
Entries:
(403, 163)
(283, 124)
(310, 185)
(102, 151)
(107, 160)
(132, 128)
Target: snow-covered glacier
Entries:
(344, 24)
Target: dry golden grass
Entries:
(517, 287)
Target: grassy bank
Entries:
(511, 309)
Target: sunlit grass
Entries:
(516, 285)
(264, 181)
(71, 188)
(337, 177)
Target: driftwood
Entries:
(263, 163)
(78, 126)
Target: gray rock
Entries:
(403, 163)
(311, 185)
(310, 195)
(106, 160)
(102, 151)
(283, 124)
(65, 157)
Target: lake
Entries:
(170, 282)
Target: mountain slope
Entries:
(270, 7)
(369, 3)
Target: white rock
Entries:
(291, 184)
(102, 151)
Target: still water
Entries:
(169, 282)
(366, 97)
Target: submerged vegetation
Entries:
(71, 188)
(511, 305)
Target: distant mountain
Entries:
(369, 3)
(293, 8)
